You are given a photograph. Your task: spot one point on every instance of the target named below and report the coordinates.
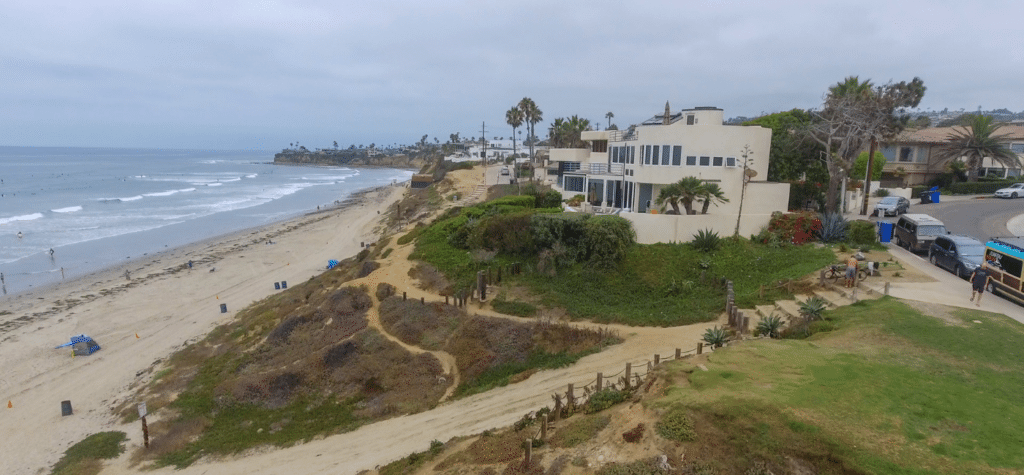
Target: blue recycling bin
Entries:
(885, 229)
(934, 193)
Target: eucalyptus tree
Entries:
(975, 141)
(855, 114)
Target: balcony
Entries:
(604, 169)
(621, 135)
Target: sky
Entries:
(263, 74)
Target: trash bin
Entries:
(884, 231)
(935, 194)
(926, 197)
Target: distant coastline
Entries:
(353, 158)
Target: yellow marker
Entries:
(9, 405)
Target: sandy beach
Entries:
(141, 320)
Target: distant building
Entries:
(914, 154)
(623, 171)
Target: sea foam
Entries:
(24, 217)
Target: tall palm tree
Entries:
(711, 193)
(609, 116)
(558, 133)
(975, 142)
(514, 117)
(532, 115)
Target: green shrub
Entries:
(579, 430)
(861, 232)
(509, 234)
(881, 192)
(833, 228)
(104, 445)
(716, 336)
(604, 399)
(813, 308)
(607, 239)
(675, 425)
(521, 309)
(978, 188)
(706, 240)
(769, 326)
(550, 199)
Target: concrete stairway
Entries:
(473, 197)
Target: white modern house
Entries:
(623, 171)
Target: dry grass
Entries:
(431, 279)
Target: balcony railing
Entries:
(605, 169)
(621, 135)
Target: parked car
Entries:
(915, 232)
(957, 254)
(1012, 191)
(504, 171)
(892, 205)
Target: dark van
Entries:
(916, 232)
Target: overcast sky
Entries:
(261, 74)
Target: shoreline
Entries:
(140, 322)
(144, 261)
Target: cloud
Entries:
(225, 74)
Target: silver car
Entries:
(892, 206)
(1012, 191)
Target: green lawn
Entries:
(890, 391)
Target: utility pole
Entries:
(483, 148)
(867, 180)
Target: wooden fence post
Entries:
(571, 402)
(600, 381)
(657, 359)
(422, 301)
(529, 450)
(629, 369)
(821, 277)
(403, 296)
(886, 288)
(746, 325)
(679, 353)
(700, 347)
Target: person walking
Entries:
(851, 270)
(979, 280)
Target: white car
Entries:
(1013, 191)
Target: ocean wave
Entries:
(214, 184)
(252, 176)
(229, 180)
(24, 217)
(162, 193)
(69, 209)
(111, 200)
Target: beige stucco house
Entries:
(623, 172)
(914, 154)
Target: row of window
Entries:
(666, 155)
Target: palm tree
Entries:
(711, 193)
(514, 117)
(670, 194)
(975, 142)
(609, 117)
(532, 115)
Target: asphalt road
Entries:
(981, 218)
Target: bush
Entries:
(833, 228)
(604, 399)
(796, 228)
(607, 238)
(716, 336)
(812, 308)
(635, 434)
(802, 192)
(769, 326)
(675, 425)
(706, 240)
(506, 233)
(104, 445)
(861, 232)
(978, 188)
(881, 192)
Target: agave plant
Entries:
(833, 228)
(706, 240)
(770, 326)
(716, 336)
(812, 308)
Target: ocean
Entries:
(99, 207)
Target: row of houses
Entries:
(623, 171)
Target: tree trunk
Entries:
(687, 205)
(707, 204)
(835, 181)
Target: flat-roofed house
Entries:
(914, 154)
(623, 171)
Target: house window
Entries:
(677, 155)
(615, 154)
(574, 183)
(730, 161)
(632, 153)
(647, 154)
(691, 161)
(664, 154)
(1017, 148)
(690, 119)
(717, 162)
(654, 154)
(905, 154)
(705, 161)
(599, 146)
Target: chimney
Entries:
(668, 113)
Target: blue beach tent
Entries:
(82, 345)
(331, 264)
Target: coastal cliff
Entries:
(348, 158)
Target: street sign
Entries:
(142, 409)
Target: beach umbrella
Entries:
(331, 263)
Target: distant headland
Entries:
(366, 157)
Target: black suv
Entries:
(958, 254)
